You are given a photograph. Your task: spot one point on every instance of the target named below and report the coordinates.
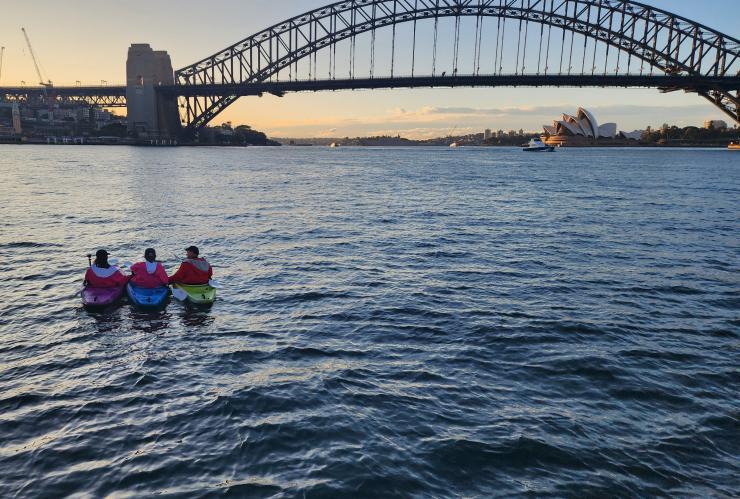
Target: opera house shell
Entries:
(579, 130)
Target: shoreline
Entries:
(365, 146)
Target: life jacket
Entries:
(193, 271)
(199, 263)
(98, 277)
(148, 275)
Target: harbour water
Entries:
(393, 323)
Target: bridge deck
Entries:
(666, 82)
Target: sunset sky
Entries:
(87, 41)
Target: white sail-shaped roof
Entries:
(585, 124)
(584, 114)
(573, 128)
(608, 130)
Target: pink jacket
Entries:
(144, 279)
(105, 278)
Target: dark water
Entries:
(394, 322)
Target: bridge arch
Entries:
(668, 43)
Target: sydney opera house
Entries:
(579, 130)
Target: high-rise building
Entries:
(715, 125)
(487, 134)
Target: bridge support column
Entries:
(151, 115)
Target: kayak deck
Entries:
(100, 297)
(147, 297)
(199, 295)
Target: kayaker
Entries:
(193, 270)
(150, 273)
(101, 274)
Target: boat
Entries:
(734, 146)
(147, 297)
(197, 295)
(100, 297)
(334, 145)
(454, 145)
(536, 145)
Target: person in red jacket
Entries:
(101, 274)
(150, 273)
(193, 270)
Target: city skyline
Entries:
(419, 113)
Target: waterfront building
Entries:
(715, 125)
(579, 130)
(487, 134)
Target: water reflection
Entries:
(149, 322)
(106, 320)
(198, 317)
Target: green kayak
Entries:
(199, 295)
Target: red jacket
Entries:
(196, 271)
(115, 280)
(144, 279)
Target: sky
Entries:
(87, 41)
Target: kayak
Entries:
(100, 297)
(199, 295)
(147, 297)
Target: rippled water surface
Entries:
(393, 322)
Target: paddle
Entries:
(179, 294)
(214, 284)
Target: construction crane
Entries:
(2, 53)
(35, 62)
(48, 85)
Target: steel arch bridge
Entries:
(648, 46)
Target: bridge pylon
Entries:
(151, 114)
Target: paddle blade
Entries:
(179, 294)
(214, 284)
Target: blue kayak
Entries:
(146, 297)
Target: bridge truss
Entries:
(552, 42)
(40, 97)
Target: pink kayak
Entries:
(100, 297)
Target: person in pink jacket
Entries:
(101, 274)
(150, 273)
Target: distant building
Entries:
(581, 129)
(500, 134)
(487, 134)
(715, 125)
(635, 135)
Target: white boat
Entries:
(333, 145)
(454, 145)
(536, 145)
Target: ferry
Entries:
(454, 145)
(734, 146)
(536, 145)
